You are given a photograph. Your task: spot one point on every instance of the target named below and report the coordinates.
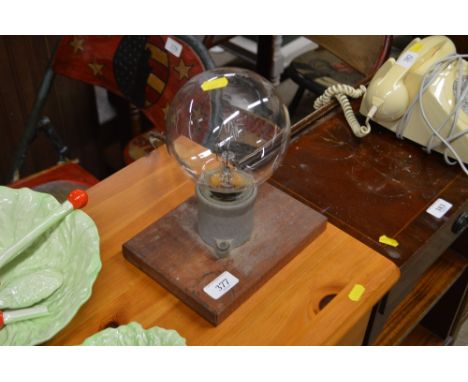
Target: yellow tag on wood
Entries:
(216, 83)
(388, 240)
(416, 47)
(357, 292)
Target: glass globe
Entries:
(229, 130)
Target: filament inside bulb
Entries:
(229, 180)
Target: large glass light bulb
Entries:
(229, 130)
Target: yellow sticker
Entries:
(216, 83)
(357, 292)
(388, 240)
(416, 47)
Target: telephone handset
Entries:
(397, 81)
(423, 96)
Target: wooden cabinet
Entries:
(306, 303)
(377, 186)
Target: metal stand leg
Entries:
(32, 125)
(296, 100)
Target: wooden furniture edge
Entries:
(433, 283)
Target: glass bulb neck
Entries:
(226, 183)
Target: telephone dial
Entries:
(422, 96)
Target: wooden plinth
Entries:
(171, 252)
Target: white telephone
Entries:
(423, 96)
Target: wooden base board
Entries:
(171, 252)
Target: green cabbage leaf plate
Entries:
(134, 334)
(71, 247)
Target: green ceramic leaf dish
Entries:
(71, 248)
(134, 334)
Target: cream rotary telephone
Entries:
(422, 96)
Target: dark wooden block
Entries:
(171, 252)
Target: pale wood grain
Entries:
(284, 311)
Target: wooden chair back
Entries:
(146, 70)
(364, 53)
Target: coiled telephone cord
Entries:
(341, 92)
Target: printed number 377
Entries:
(224, 283)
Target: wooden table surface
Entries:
(287, 310)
